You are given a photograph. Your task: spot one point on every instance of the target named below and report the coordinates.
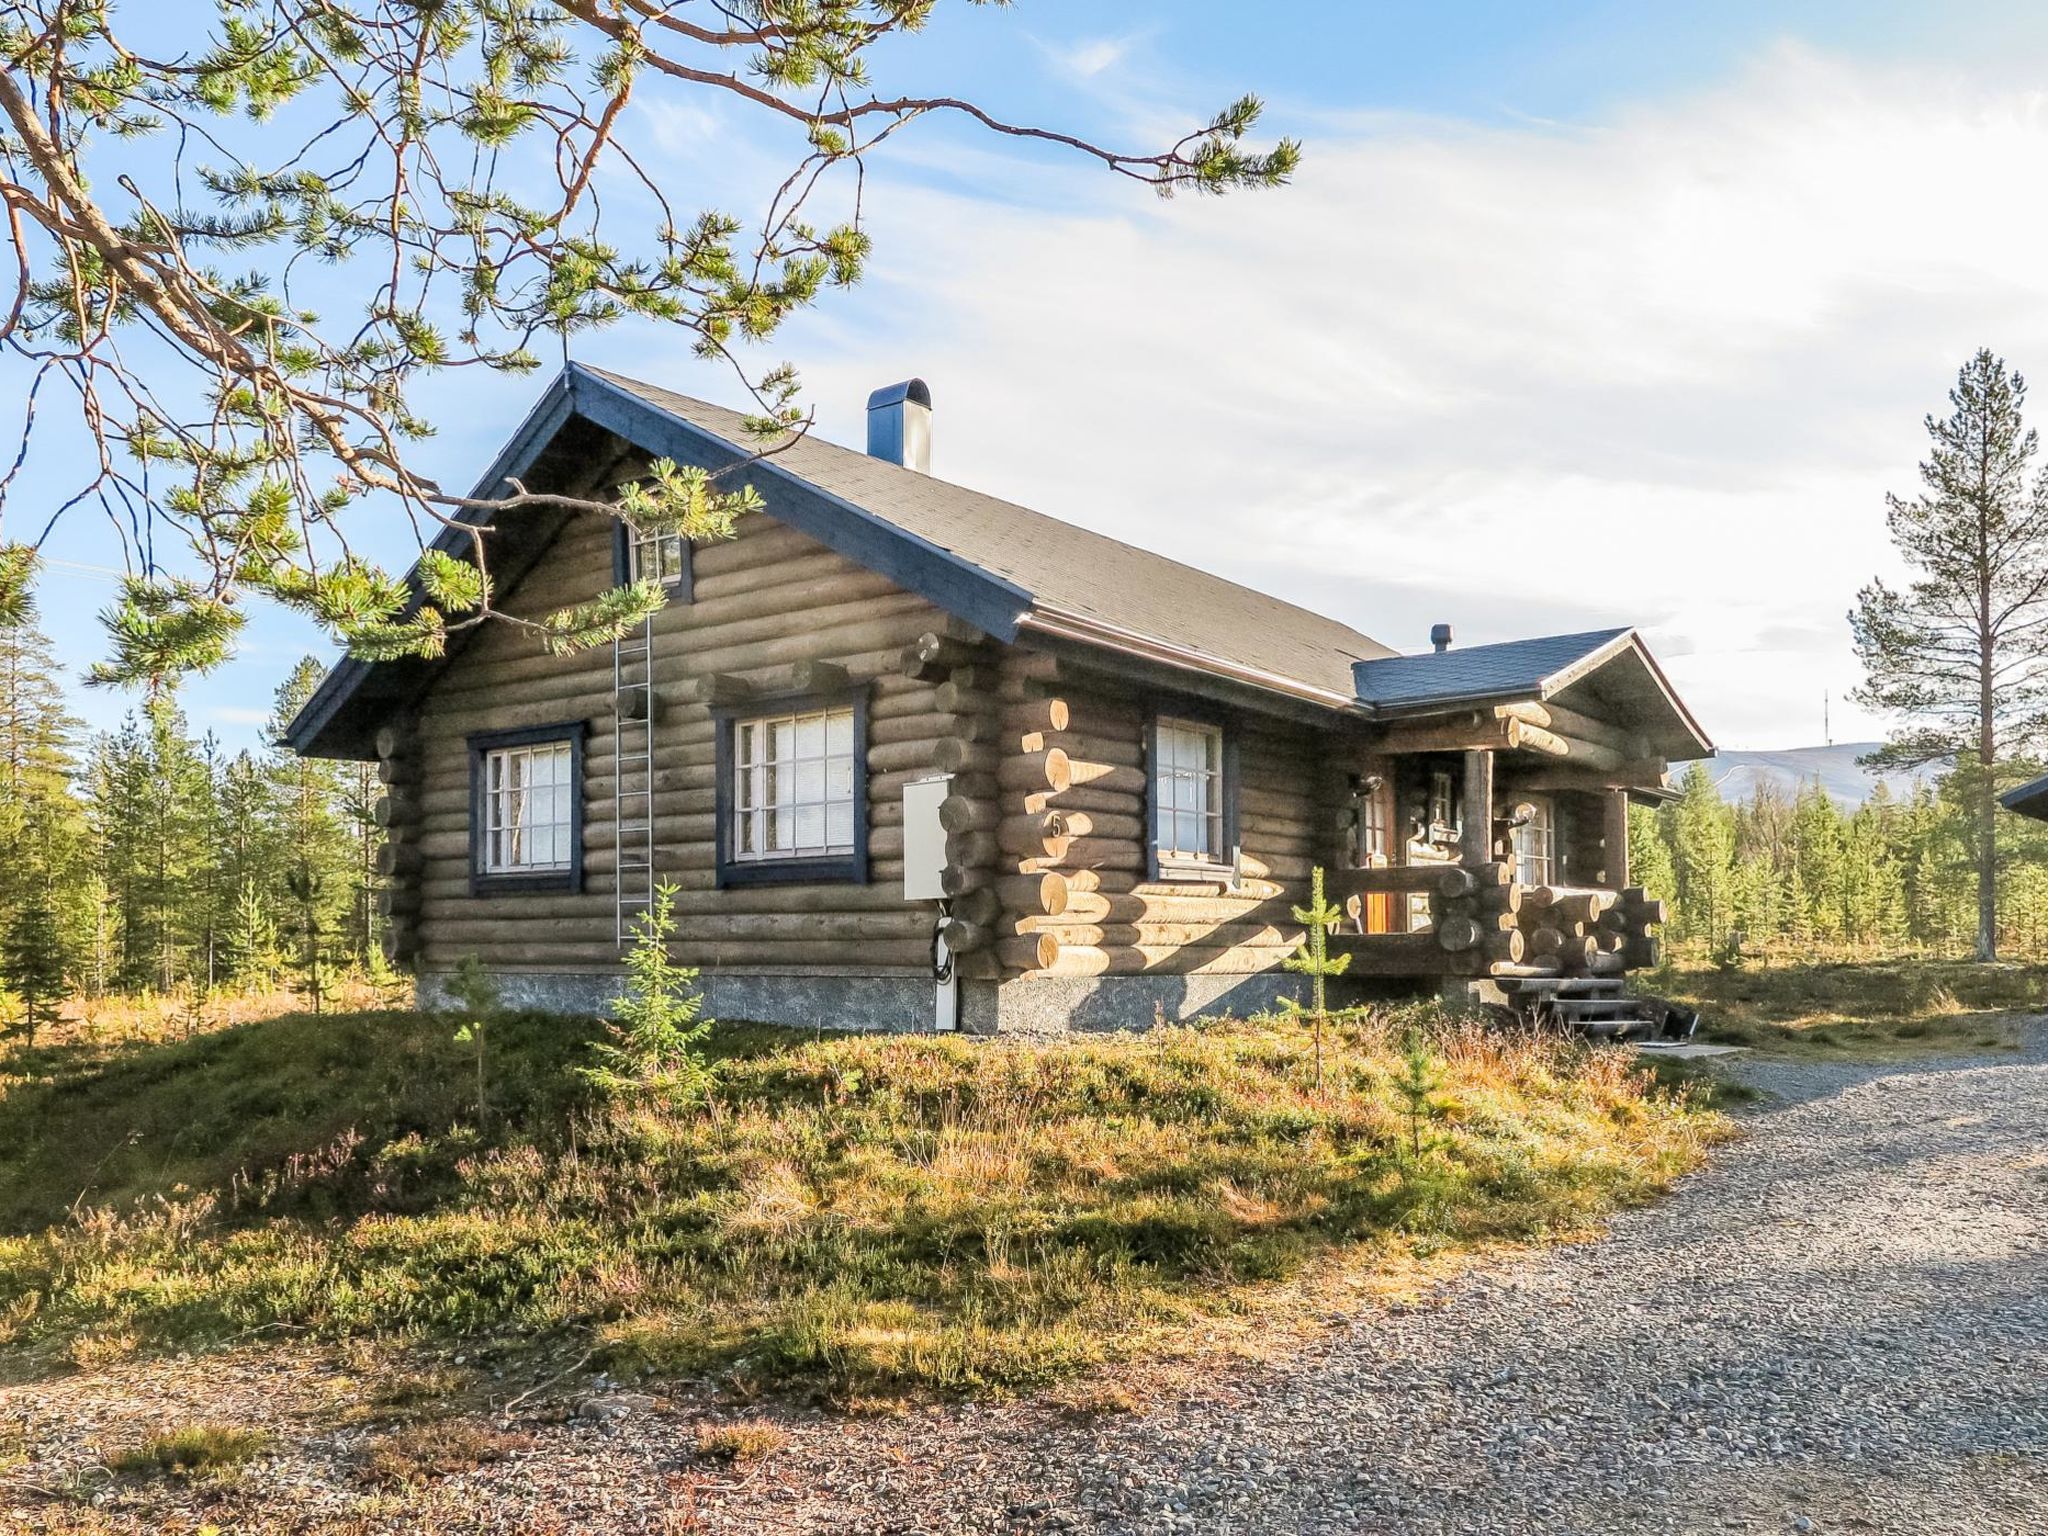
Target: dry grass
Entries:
(1874, 1008)
(438, 1448)
(191, 1449)
(1102, 1398)
(740, 1440)
(874, 1216)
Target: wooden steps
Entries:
(1597, 1006)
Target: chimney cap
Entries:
(1440, 636)
(916, 391)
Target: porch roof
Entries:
(1610, 670)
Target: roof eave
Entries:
(1087, 630)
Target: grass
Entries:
(1880, 1008)
(740, 1440)
(860, 1215)
(437, 1448)
(191, 1449)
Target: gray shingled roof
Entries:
(1511, 669)
(1064, 567)
(2030, 799)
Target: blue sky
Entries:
(1647, 299)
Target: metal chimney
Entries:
(1439, 634)
(900, 425)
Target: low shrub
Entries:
(437, 1448)
(740, 1440)
(872, 1215)
(190, 1449)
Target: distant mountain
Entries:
(1738, 773)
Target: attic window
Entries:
(658, 557)
(663, 558)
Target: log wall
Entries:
(1072, 841)
(768, 603)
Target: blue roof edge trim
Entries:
(949, 581)
(1507, 670)
(945, 579)
(547, 417)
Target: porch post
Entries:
(1475, 815)
(1614, 838)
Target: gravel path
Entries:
(1841, 1326)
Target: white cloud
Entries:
(1089, 56)
(1659, 369)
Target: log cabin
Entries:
(916, 757)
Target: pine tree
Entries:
(251, 940)
(32, 962)
(1702, 856)
(1962, 652)
(42, 823)
(320, 846)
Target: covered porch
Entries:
(1489, 817)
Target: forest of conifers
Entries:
(1894, 875)
(145, 859)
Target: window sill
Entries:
(841, 869)
(1199, 874)
(532, 883)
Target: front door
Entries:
(1375, 838)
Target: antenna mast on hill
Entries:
(1827, 730)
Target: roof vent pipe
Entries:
(1440, 636)
(900, 425)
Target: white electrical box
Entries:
(924, 839)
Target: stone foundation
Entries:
(1038, 1006)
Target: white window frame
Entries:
(1188, 791)
(1443, 796)
(1535, 844)
(772, 791)
(668, 551)
(511, 833)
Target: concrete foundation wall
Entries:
(1039, 1006)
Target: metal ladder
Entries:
(633, 777)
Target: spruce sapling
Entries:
(1313, 959)
(654, 1040)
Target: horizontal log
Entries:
(1171, 960)
(928, 727)
(1036, 771)
(963, 937)
(1029, 715)
(394, 810)
(1101, 853)
(954, 755)
(1092, 748)
(1110, 802)
(1033, 837)
(1246, 933)
(1456, 933)
(964, 813)
(1107, 776)
(1045, 894)
(1036, 952)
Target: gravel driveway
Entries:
(1842, 1325)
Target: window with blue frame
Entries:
(526, 809)
(792, 791)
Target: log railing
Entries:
(1481, 923)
